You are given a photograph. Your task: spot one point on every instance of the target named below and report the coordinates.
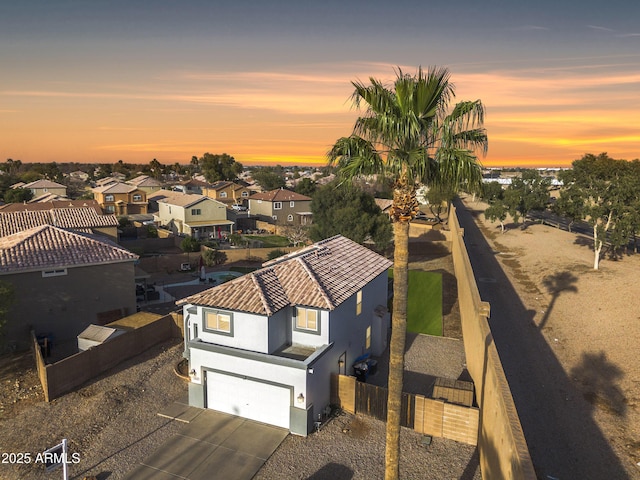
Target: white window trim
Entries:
(277, 205)
(292, 204)
(306, 311)
(290, 218)
(218, 331)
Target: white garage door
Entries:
(249, 399)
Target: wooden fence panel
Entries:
(371, 400)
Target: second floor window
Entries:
(137, 197)
(219, 322)
(359, 302)
(245, 194)
(110, 208)
(108, 198)
(196, 211)
(292, 204)
(307, 319)
(277, 205)
(223, 194)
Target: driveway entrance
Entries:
(213, 445)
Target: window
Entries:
(245, 194)
(54, 273)
(110, 208)
(137, 197)
(277, 205)
(359, 303)
(219, 322)
(292, 204)
(196, 211)
(108, 198)
(367, 338)
(275, 217)
(223, 194)
(290, 218)
(307, 319)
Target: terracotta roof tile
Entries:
(323, 276)
(47, 246)
(70, 218)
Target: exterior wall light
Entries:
(301, 398)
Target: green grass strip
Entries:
(424, 309)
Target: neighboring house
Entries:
(190, 186)
(145, 183)
(385, 205)
(264, 346)
(63, 282)
(281, 207)
(79, 219)
(194, 215)
(155, 197)
(121, 199)
(227, 192)
(44, 187)
(79, 175)
(106, 181)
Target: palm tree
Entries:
(407, 135)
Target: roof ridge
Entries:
(258, 284)
(314, 277)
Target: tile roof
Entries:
(69, 218)
(322, 275)
(65, 203)
(279, 195)
(185, 199)
(46, 197)
(47, 247)
(144, 181)
(116, 187)
(43, 183)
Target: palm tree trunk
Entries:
(396, 348)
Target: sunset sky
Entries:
(269, 81)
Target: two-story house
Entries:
(281, 207)
(229, 193)
(264, 346)
(46, 187)
(121, 198)
(145, 183)
(194, 215)
(191, 186)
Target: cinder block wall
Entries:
(501, 443)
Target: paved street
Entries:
(564, 441)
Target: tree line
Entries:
(599, 190)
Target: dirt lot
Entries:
(590, 318)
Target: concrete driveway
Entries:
(212, 445)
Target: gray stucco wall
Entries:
(63, 306)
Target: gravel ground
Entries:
(351, 447)
(111, 423)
